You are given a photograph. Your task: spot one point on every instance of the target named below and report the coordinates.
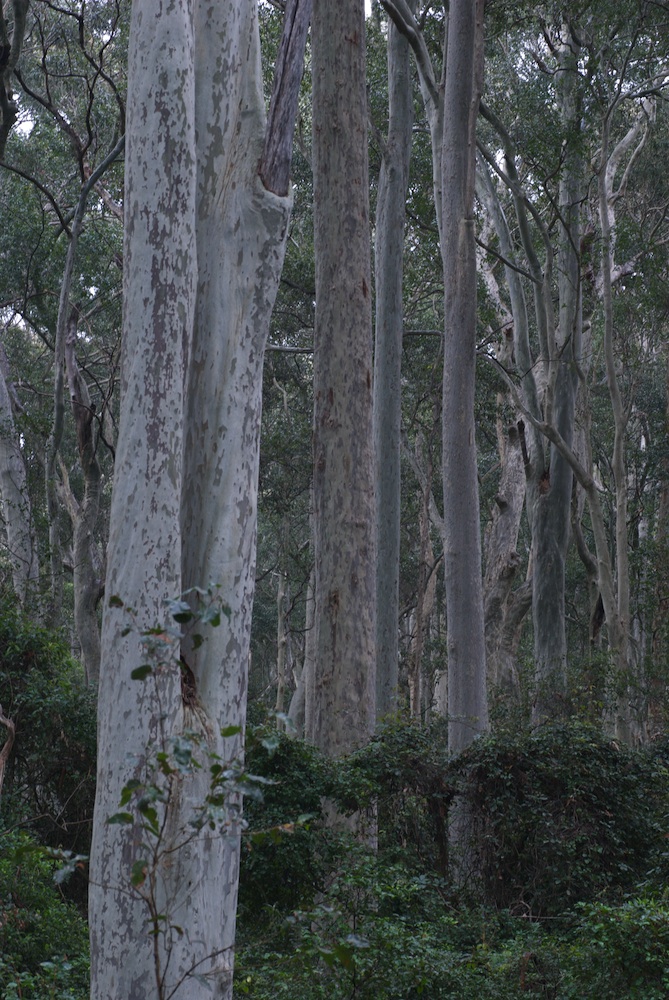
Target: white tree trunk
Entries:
(87, 570)
(16, 507)
(203, 255)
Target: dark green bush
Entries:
(621, 951)
(561, 815)
(50, 778)
(43, 939)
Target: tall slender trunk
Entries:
(550, 497)
(387, 407)
(88, 568)
(344, 692)
(16, 506)
(467, 698)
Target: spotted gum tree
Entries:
(206, 210)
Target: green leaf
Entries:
(140, 673)
(211, 616)
(139, 872)
(116, 602)
(121, 817)
(130, 787)
(228, 731)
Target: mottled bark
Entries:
(504, 602)
(204, 247)
(344, 534)
(16, 507)
(387, 404)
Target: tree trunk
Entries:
(87, 561)
(467, 700)
(551, 495)
(16, 507)
(344, 535)
(204, 246)
(387, 406)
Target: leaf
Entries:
(211, 616)
(121, 817)
(116, 602)
(140, 673)
(139, 872)
(130, 787)
(197, 640)
(228, 731)
(271, 743)
(181, 611)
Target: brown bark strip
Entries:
(277, 154)
(9, 743)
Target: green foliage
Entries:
(561, 815)
(50, 778)
(622, 951)
(43, 939)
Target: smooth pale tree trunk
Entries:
(144, 551)
(467, 697)
(344, 690)
(16, 507)
(67, 315)
(204, 248)
(87, 569)
(387, 404)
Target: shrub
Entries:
(50, 778)
(562, 815)
(43, 939)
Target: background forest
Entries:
(560, 889)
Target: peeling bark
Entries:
(204, 245)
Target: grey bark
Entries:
(344, 534)
(387, 404)
(467, 697)
(87, 568)
(204, 245)
(452, 108)
(16, 506)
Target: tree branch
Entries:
(277, 154)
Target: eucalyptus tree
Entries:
(342, 713)
(452, 109)
(70, 103)
(16, 506)
(207, 204)
(389, 327)
(604, 125)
